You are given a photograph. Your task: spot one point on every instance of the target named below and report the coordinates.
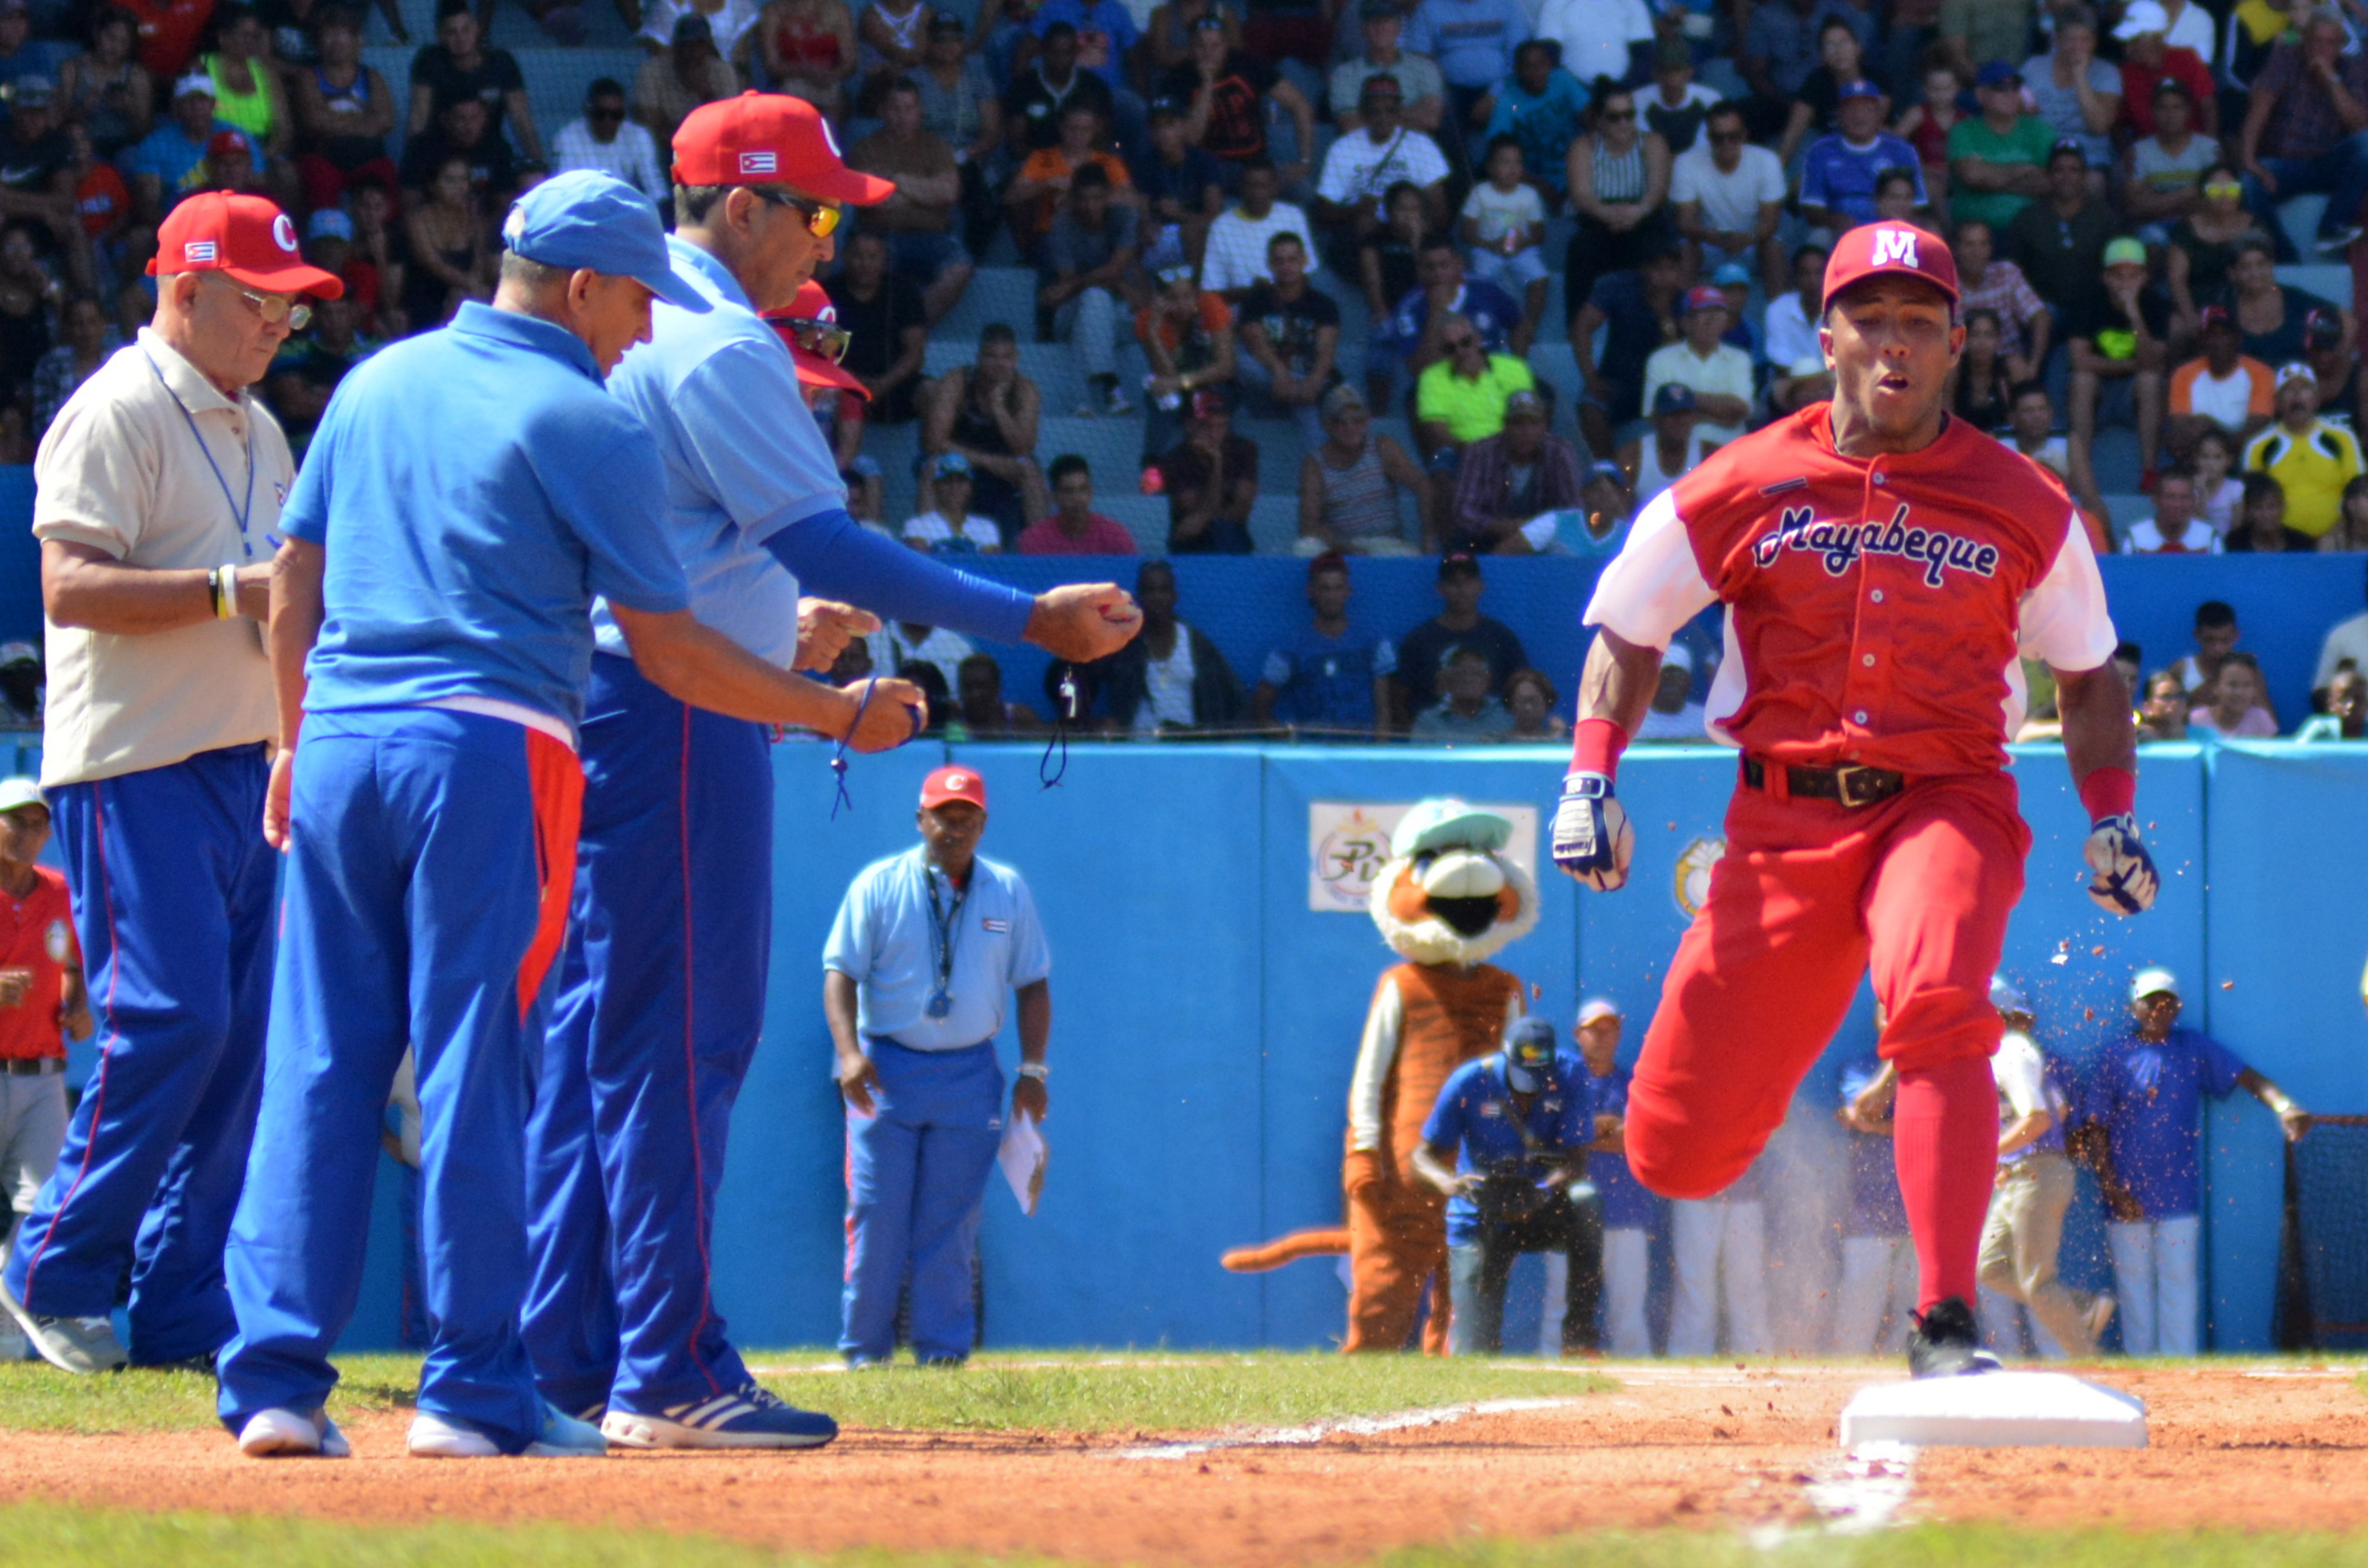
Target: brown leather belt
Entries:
(1852, 786)
(32, 1066)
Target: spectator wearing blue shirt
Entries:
(1541, 104)
(1328, 678)
(1626, 1207)
(927, 949)
(1516, 1126)
(1878, 1279)
(2140, 1123)
(1473, 41)
(1839, 175)
(166, 164)
(434, 659)
(1418, 324)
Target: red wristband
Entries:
(1596, 745)
(2109, 793)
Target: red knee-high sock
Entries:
(1945, 1134)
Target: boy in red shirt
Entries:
(40, 998)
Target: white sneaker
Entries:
(71, 1344)
(435, 1436)
(286, 1434)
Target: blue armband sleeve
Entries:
(837, 558)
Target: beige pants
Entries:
(2020, 1242)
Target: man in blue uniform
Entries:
(1627, 1207)
(662, 986)
(926, 947)
(430, 637)
(1517, 1125)
(2146, 1093)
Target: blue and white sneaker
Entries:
(439, 1437)
(749, 1418)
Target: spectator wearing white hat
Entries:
(1674, 715)
(2139, 1126)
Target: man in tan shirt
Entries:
(918, 220)
(160, 485)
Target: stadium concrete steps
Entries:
(2125, 510)
(1006, 294)
(2328, 280)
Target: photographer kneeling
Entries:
(1517, 1125)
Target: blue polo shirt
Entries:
(1472, 40)
(1626, 1205)
(474, 488)
(885, 941)
(2150, 1098)
(1107, 16)
(1474, 1116)
(1875, 1205)
(1841, 178)
(1328, 680)
(1490, 309)
(742, 457)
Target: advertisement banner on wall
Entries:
(1349, 843)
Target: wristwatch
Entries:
(1035, 1069)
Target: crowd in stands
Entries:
(1337, 225)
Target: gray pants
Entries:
(2020, 1244)
(1258, 392)
(1089, 319)
(32, 1131)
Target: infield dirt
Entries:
(2279, 1447)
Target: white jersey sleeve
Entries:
(1655, 585)
(1375, 1054)
(2064, 619)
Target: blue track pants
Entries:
(172, 886)
(916, 1174)
(654, 1023)
(431, 854)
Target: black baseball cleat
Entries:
(1947, 1343)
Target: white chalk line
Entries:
(1858, 1493)
(1348, 1427)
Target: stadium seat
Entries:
(2124, 510)
(2300, 217)
(1145, 516)
(1006, 294)
(1112, 447)
(1274, 523)
(2328, 280)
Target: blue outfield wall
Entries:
(1206, 1018)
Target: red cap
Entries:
(813, 303)
(226, 142)
(953, 784)
(1874, 248)
(770, 138)
(246, 236)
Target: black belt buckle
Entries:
(1856, 787)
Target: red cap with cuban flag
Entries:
(956, 783)
(246, 236)
(1872, 249)
(813, 308)
(770, 138)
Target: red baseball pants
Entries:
(1808, 897)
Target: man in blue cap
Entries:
(652, 1031)
(430, 634)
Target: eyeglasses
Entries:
(2229, 188)
(824, 340)
(822, 217)
(1615, 114)
(277, 308)
(1456, 343)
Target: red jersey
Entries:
(1878, 608)
(101, 197)
(37, 933)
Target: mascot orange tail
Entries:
(1328, 1243)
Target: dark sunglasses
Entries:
(823, 339)
(1619, 114)
(596, 112)
(822, 217)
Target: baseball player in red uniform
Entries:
(1884, 566)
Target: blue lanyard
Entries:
(239, 514)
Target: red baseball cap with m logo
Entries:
(1871, 250)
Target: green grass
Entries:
(1126, 1391)
(52, 1536)
(1130, 1391)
